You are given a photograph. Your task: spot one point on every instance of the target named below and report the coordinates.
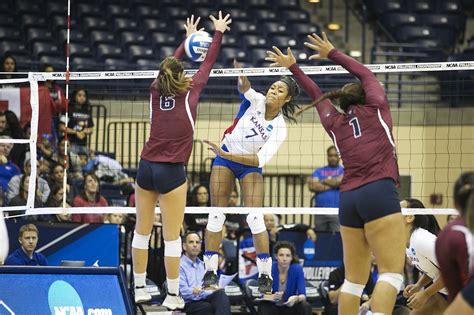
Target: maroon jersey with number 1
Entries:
(363, 135)
(173, 117)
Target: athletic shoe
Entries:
(265, 284)
(173, 301)
(210, 280)
(141, 295)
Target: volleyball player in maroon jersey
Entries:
(455, 249)
(161, 176)
(369, 211)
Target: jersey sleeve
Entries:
(256, 99)
(317, 174)
(202, 75)
(374, 92)
(270, 148)
(326, 110)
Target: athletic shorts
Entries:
(239, 170)
(468, 293)
(368, 203)
(160, 177)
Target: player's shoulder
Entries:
(421, 236)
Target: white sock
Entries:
(265, 266)
(140, 279)
(173, 285)
(211, 262)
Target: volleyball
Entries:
(196, 45)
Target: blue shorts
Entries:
(160, 177)
(239, 170)
(468, 293)
(368, 203)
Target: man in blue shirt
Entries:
(26, 255)
(191, 273)
(325, 183)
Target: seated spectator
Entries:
(55, 200)
(56, 178)
(14, 130)
(26, 255)
(45, 147)
(191, 273)
(22, 197)
(42, 188)
(74, 162)
(8, 169)
(199, 197)
(289, 285)
(451, 218)
(89, 197)
(8, 63)
(114, 218)
(336, 279)
(107, 169)
(80, 124)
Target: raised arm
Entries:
(374, 92)
(243, 83)
(221, 25)
(191, 27)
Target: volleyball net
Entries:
(431, 105)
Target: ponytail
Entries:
(350, 94)
(464, 198)
(470, 211)
(329, 95)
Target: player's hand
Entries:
(280, 59)
(191, 26)
(213, 147)
(311, 234)
(321, 45)
(277, 296)
(417, 300)
(221, 24)
(410, 290)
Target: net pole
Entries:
(66, 142)
(34, 101)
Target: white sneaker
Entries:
(141, 295)
(173, 302)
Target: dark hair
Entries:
(464, 197)
(86, 105)
(350, 94)
(22, 182)
(51, 201)
(83, 192)
(331, 148)
(14, 127)
(285, 244)
(5, 57)
(193, 196)
(424, 221)
(289, 107)
(185, 236)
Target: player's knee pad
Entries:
(140, 241)
(394, 279)
(352, 288)
(215, 222)
(173, 248)
(256, 223)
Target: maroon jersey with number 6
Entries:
(363, 135)
(173, 117)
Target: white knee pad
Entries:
(394, 279)
(173, 248)
(215, 222)
(256, 223)
(140, 241)
(352, 288)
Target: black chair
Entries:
(287, 4)
(230, 41)
(34, 34)
(165, 51)
(30, 20)
(297, 16)
(421, 6)
(74, 37)
(303, 29)
(258, 56)
(237, 14)
(88, 9)
(176, 12)
(111, 64)
(140, 52)
(231, 3)
(118, 11)
(83, 64)
(458, 22)
(146, 11)
(45, 49)
(283, 41)
(154, 25)
(133, 38)
(264, 15)
(104, 51)
(258, 4)
(244, 28)
(163, 38)
(91, 23)
(125, 24)
(28, 7)
(254, 41)
(201, 3)
(102, 37)
(393, 20)
(57, 62)
(451, 7)
(12, 47)
(228, 54)
(8, 20)
(381, 7)
(274, 28)
(80, 50)
(56, 8)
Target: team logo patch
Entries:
(269, 128)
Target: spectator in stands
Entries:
(11, 127)
(191, 273)
(114, 218)
(325, 183)
(26, 255)
(90, 197)
(56, 177)
(21, 198)
(289, 285)
(336, 279)
(45, 146)
(106, 168)
(74, 161)
(8, 169)
(55, 91)
(80, 124)
(199, 197)
(8, 65)
(42, 188)
(55, 200)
